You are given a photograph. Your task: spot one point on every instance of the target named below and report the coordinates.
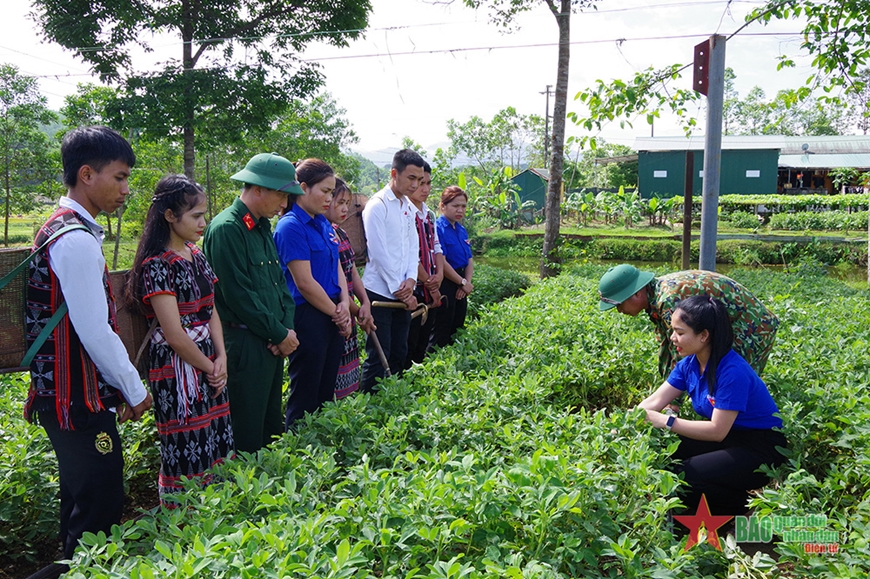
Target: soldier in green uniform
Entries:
(632, 291)
(255, 305)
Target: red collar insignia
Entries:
(249, 221)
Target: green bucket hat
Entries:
(272, 171)
(620, 283)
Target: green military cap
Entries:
(272, 171)
(620, 283)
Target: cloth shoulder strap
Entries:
(61, 311)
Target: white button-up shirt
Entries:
(77, 260)
(391, 242)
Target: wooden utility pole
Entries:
(547, 92)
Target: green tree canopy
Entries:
(788, 113)
(510, 139)
(834, 34)
(236, 70)
(25, 158)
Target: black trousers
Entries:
(451, 314)
(419, 336)
(393, 325)
(724, 471)
(91, 468)
(313, 366)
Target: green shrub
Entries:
(741, 219)
(28, 486)
(508, 244)
(787, 203)
(827, 221)
(730, 251)
(621, 249)
(494, 284)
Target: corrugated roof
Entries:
(847, 144)
(836, 161)
(542, 173)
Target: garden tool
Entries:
(422, 309)
(380, 350)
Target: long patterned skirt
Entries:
(188, 445)
(348, 369)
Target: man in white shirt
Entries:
(430, 271)
(81, 380)
(391, 272)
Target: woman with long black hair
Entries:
(720, 455)
(172, 281)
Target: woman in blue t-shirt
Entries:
(458, 266)
(308, 248)
(720, 455)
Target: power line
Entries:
(620, 41)
(219, 39)
(538, 45)
(31, 55)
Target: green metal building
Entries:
(750, 164)
(532, 185)
(748, 171)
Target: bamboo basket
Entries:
(132, 326)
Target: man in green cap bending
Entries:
(255, 305)
(632, 291)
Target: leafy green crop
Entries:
(512, 454)
(493, 285)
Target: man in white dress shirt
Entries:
(81, 380)
(391, 272)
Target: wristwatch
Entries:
(464, 281)
(670, 422)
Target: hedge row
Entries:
(785, 203)
(730, 251)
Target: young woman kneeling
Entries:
(722, 454)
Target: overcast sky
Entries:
(424, 62)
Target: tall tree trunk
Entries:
(189, 155)
(550, 261)
(109, 225)
(188, 63)
(8, 201)
(120, 214)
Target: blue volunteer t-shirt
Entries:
(454, 242)
(738, 388)
(300, 237)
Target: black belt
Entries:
(235, 325)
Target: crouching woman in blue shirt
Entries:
(722, 454)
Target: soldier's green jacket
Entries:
(754, 325)
(251, 290)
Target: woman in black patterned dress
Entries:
(172, 280)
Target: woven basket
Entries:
(353, 226)
(132, 326)
(12, 347)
